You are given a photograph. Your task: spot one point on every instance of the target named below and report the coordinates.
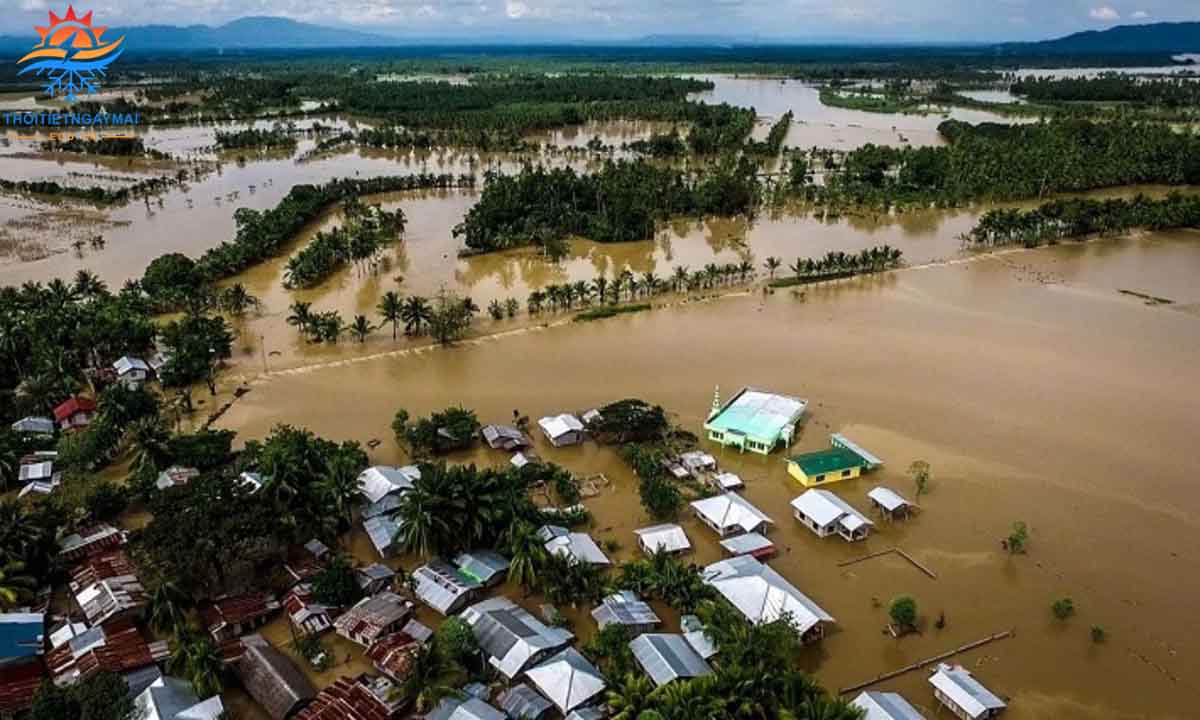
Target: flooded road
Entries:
(1034, 388)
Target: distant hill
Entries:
(1173, 38)
(245, 33)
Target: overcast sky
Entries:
(920, 20)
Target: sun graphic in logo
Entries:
(71, 55)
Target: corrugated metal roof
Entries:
(746, 544)
(567, 679)
(589, 713)
(824, 508)
(730, 510)
(372, 617)
(469, 709)
(624, 608)
(694, 633)
(839, 440)
(668, 537)
(521, 701)
(169, 698)
(763, 595)
(21, 635)
(442, 587)
(666, 658)
(578, 546)
(510, 636)
(958, 684)
(483, 566)
(382, 531)
(556, 426)
(377, 482)
(34, 424)
(886, 706)
(889, 499)
(271, 679)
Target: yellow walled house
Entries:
(820, 468)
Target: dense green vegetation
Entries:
(365, 231)
(115, 146)
(442, 432)
(276, 137)
(997, 162)
(1111, 87)
(775, 137)
(94, 194)
(1074, 218)
(837, 264)
(622, 202)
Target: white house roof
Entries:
(757, 413)
(32, 424)
(36, 471)
(470, 709)
(251, 481)
(886, 706)
(763, 595)
(127, 364)
(482, 565)
(556, 426)
(888, 498)
(668, 657)
(667, 537)
(522, 701)
(442, 587)
(745, 544)
(957, 683)
(510, 636)
(579, 546)
(624, 608)
(568, 680)
(731, 510)
(382, 530)
(169, 698)
(381, 480)
(839, 440)
(694, 633)
(729, 481)
(823, 508)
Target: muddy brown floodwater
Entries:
(1036, 390)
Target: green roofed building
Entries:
(826, 466)
(754, 420)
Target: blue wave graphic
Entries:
(67, 77)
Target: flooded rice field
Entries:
(1037, 391)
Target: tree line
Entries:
(1111, 87)
(1075, 218)
(365, 231)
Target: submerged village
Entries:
(451, 634)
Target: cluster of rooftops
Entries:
(542, 674)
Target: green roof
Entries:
(827, 461)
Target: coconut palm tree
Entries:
(744, 269)
(772, 264)
(300, 316)
(361, 328)
(236, 300)
(339, 487)
(527, 552)
(195, 657)
(416, 314)
(167, 607)
(430, 679)
(680, 278)
(630, 697)
(88, 285)
(391, 309)
(15, 586)
(600, 288)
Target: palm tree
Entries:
(15, 585)
(430, 678)
(88, 285)
(496, 310)
(680, 278)
(416, 314)
(527, 552)
(629, 697)
(167, 603)
(301, 316)
(600, 288)
(361, 328)
(391, 309)
(148, 443)
(772, 264)
(421, 524)
(339, 487)
(236, 300)
(196, 657)
(744, 269)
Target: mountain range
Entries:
(282, 33)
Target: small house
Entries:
(625, 608)
(697, 463)
(131, 371)
(562, 430)
(471, 708)
(374, 578)
(393, 655)
(106, 586)
(580, 547)
(169, 698)
(39, 488)
(379, 481)
(42, 472)
(890, 503)
(697, 636)
(362, 698)
(567, 680)
(373, 617)
(956, 688)
(521, 459)
(666, 658)
(762, 595)
(232, 616)
(75, 412)
(754, 420)
(307, 616)
(510, 637)
(730, 514)
(417, 630)
(251, 482)
(825, 514)
(885, 706)
(727, 481)
(504, 437)
(522, 701)
(749, 544)
(667, 538)
(33, 425)
(272, 680)
(382, 529)
(21, 637)
(826, 466)
(90, 540)
(486, 567)
(442, 587)
(116, 646)
(175, 476)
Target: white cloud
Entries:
(516, 9)
(1104, 13)
(1140, 15)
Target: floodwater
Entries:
(818, 125)
(1035, 389)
